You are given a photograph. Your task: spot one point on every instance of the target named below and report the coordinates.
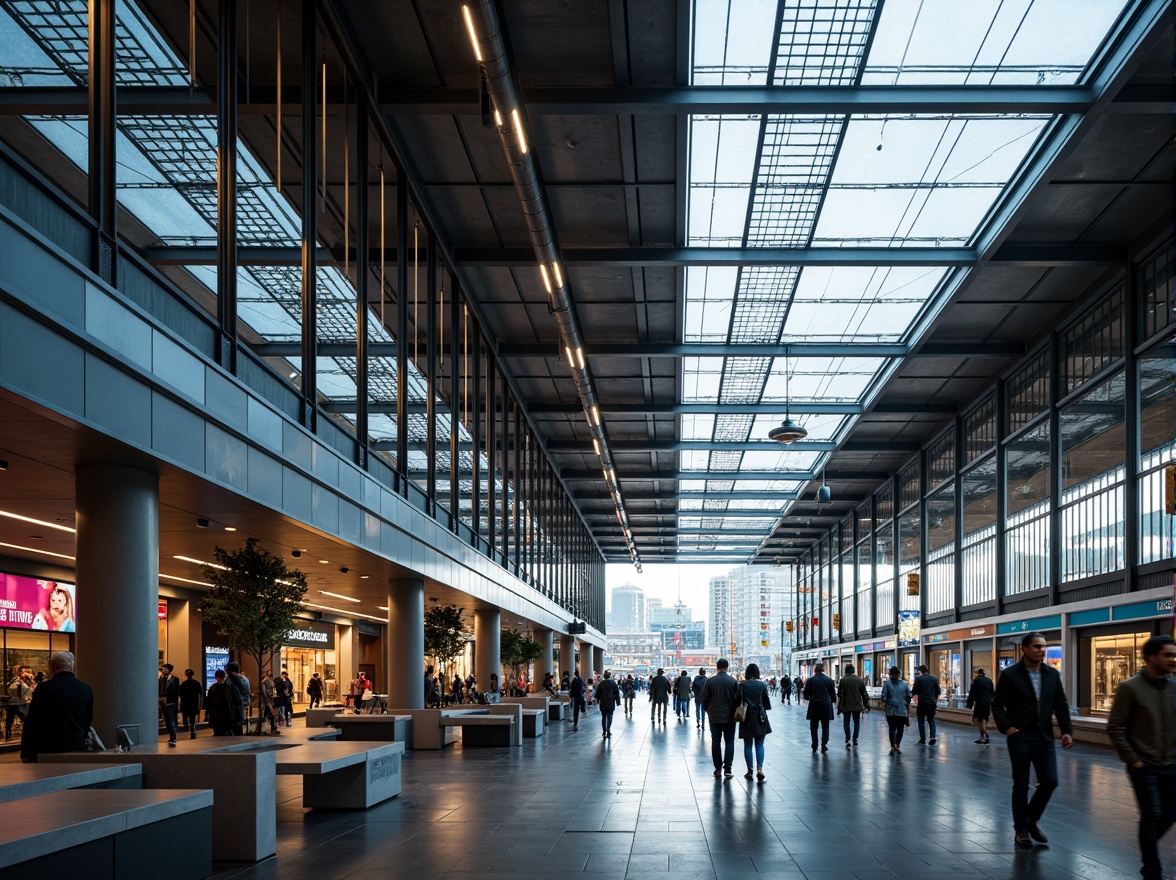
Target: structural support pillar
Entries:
(405, 645)
(103, 115)
(226, 186)
(546, 661)
(587, 667)
(567, 655)
(488, 658)
(118, 573)
(598, 659)
(310, 157)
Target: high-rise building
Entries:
(747, 607)
(628, 610)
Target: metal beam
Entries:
(310, 155)
(756, 100)
(685, 257)
(672, 476)
(642, 446)
(647, 101)
(801, 407)
(944, 348)
(99, 104)
(226, 186)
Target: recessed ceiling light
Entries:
(346, 613)
(35, 550)
(173, 577)
(383, 607)
(230, 528)
(338, 596)
(199, 562)
(325, 561)
(363, 577)
(39, 522)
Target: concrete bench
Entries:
(29, 780)
(241, 771)
(486, 730)
(116, 834)
(343, 775)
(321, 716)
(373, 728)
(431, 729)
(534, 723)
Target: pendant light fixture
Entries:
(787, 431)
(824, 493)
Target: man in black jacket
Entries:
(718, 699)
(821, 693)
(169, 701)
(925, 690)
(60, 714)
(1028, 695)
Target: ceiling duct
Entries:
(489, 45)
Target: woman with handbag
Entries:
(751, 712)
(896, 697)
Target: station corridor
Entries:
(645, 805)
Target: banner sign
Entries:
(29, 603)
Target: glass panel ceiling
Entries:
(893, 180)
(167, 179)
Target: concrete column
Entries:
(586, 667)
(347, 658)
(405, 644)
(567, 655)
(546, 661)
(598, 659)
(118, 592)
(488, 657)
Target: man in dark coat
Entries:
(608, 696)
(576, 690)
(219, 705)
(191, 696)
(169, 701)
(718, 699)
(60, 714)
(696, 686)
(821, 693)
(980, 702)
(659, 696)
(925, 691)
(1028, 696)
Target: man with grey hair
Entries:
(60, 714)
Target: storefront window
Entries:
(978, 552)
(1115, 659)
(301, 663)
(30, 650)
(945, 665)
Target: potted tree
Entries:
(445, 639)
(517, 652)
(253, 603)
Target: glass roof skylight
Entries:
(893, 180)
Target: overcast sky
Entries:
(663, 582)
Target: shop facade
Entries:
(38, 615)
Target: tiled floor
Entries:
(645, 805)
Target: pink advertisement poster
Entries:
(28, 603)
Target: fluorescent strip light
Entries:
(35, 550)
(469, 20)
(174, 577)
(571, 360)
(580, 357)
(200, 562)
(345, 613)
(497, 118)
(39, 522)
(339, 596)
(518, 127)
(596, 446)
(546, 279)
(558, 274)
(594, 415)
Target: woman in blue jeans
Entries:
(754, 727)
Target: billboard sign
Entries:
(30, 603)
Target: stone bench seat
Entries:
(343, 775)
(373, 728)
(484, 730)
(107, 835)
(29, 780)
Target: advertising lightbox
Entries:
(30, 603)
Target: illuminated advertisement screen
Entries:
(214, 658)
(29, 603)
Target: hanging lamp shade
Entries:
(824, 494)
(788, 431)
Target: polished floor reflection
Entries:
(645, 804)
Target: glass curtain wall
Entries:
(1021, 455)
